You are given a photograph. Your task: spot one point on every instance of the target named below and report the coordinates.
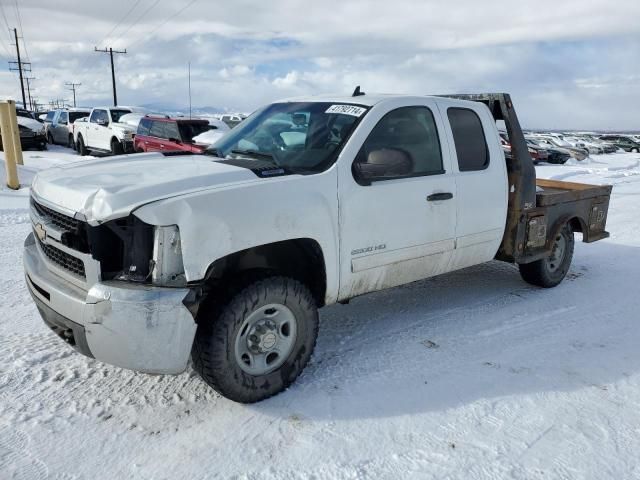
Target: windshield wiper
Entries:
(256, 153)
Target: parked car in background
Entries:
(625, 142)
(104, 133)
(585, 144)
(23, 112)
(60, 129)
(555, 154)
(31, 134)
(232, 119)
(166, 134)
(608, 147)
(576, 152)
(217, 128)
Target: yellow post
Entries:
(8, 128)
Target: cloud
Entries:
(570, 64)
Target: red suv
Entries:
(166, 134)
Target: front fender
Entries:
(217, 223)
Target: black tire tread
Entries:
(211, 348)
(536, 273)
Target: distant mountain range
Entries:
(175, 109)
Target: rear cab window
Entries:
(469, 139)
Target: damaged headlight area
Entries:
(131, 250)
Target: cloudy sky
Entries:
(567, 64)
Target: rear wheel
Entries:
(634, 150)
(256, 344)
(116, 147)
(550, 271)
(70, 143)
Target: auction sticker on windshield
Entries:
(346, 110)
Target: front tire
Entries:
(50, 138)
(255, 345)
(82, 150)
(116, 147)
(550, 271)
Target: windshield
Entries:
(304, 137)
(73, 116)
(117, 113)
(188, 130)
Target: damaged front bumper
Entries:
(134, 326)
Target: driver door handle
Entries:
(434, 197)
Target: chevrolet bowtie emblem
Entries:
(40, 232)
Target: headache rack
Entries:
(539, 208)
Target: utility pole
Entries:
(21, 67)
(72, 86)
(111, 51)
(29, 91)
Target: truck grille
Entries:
(60, 220)
(63, 259)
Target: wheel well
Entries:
(115, 139)
(577, 224)
(300, 258)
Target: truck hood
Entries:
(125, 127)
(104, 189)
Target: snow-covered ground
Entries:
(472, 375)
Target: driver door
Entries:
(397, 229)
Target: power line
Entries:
(147, 35)
(106, 37)
(72, 86)
(111, 51)
(136, 21)
(26, 52)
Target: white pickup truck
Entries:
(145, 261)
(103, 133)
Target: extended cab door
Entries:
(480, 174)
(401, 226)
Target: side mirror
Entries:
(383, 164)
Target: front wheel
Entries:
(550, 271)
(257, 343)
(634, 150)
(116, 147)
(50, 138)
(82, 150)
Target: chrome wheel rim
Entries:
(265, 339)
(554, 261)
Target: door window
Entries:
(411, 130)
(98, 115)
(157, 129)
(469, 139)
(171, 131)
(64, 118)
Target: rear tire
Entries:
(255, 344)
(116, 147)
(82, 150)
(550, 271)
(70, 142)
